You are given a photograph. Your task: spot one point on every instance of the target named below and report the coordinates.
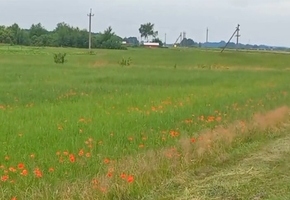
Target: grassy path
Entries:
(261, 174)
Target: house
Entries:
(151, 44)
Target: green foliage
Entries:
(125, 62)
(59, 58)
(132, 41)
(63, 35)
(187, 42)
(109, 40)
(147, 30)
(157, 40)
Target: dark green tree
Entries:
(147, 30)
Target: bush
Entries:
(125, 62)
(59, 58)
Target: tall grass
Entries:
(87, 129)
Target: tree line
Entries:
(63, 35)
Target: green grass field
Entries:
(175, 124)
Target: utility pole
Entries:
(238, 35)
(90, 15)
(236, 31)
(206, 35)
(165, 41)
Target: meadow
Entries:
(175, 124)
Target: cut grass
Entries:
(261, 173)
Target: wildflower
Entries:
(88, 154)
(174, 133)
(103, 189)
(130, 179)
(210, 118)
(201, 118)
(12, 169)
(81, 119)
(123, 176)
(51, 169)
(4, 178)
(106, 160)
(7, 157)
(95, 181)
(109, 175)
(24, 172)
(193, 140)
(218, 119)
(20, 166)
(37, 173)
(72, 158)
(32, 156)
(81, 152)
(141, 146)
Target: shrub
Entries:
(125, 62)
(59, 58)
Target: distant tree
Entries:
(37, 30)
(108, 40)
(147, 30)
(132, 40)
(63, 35)
(158, 41)
(187, 42)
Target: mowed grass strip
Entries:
(75, 124)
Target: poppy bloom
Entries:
(4, 178)
(20, 166)
(81, 152)
(130, 179)
(37, 173)
(24, 172)
(72, 158)
(123, 176)
(193, 140)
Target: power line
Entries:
(238, 35)
(90, 15)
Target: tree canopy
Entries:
(147, 30)
(63, 35)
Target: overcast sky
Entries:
(262, 21)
